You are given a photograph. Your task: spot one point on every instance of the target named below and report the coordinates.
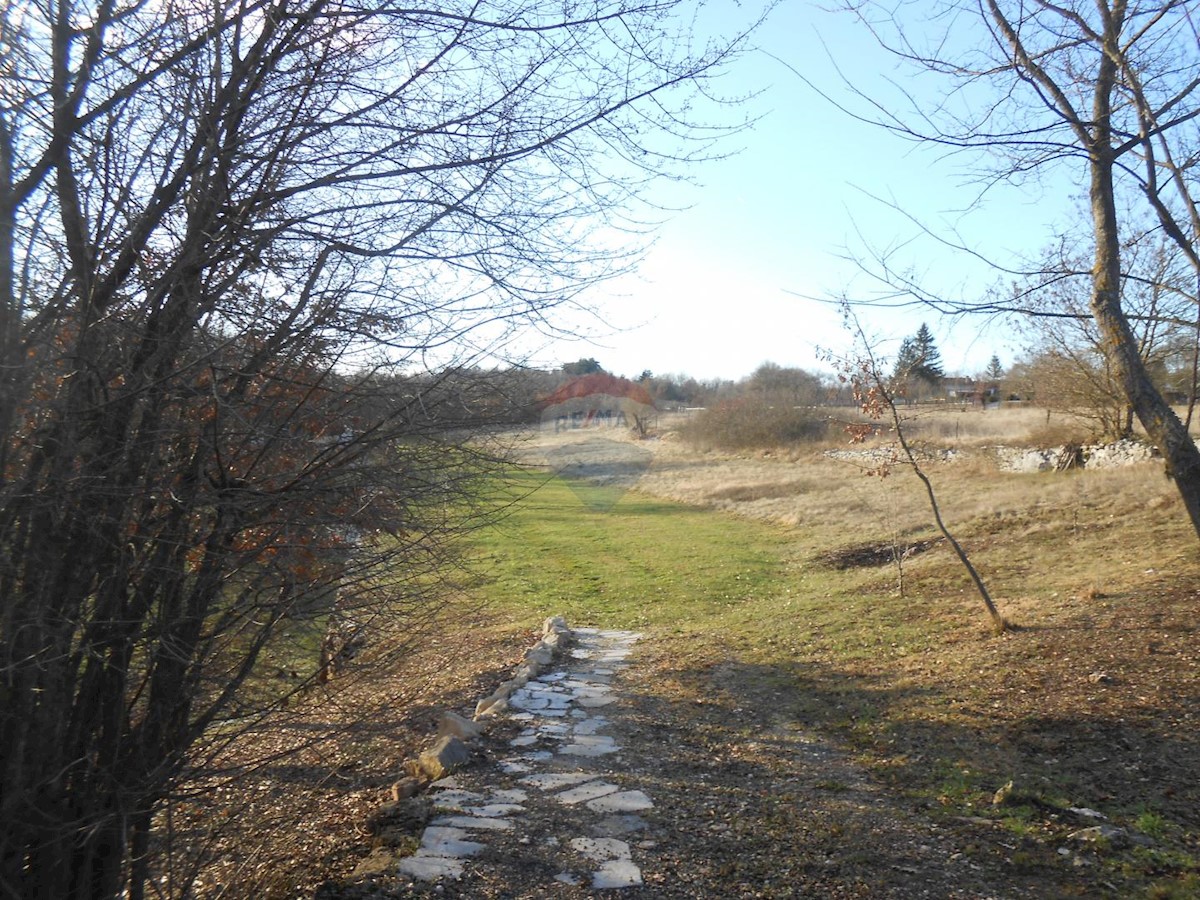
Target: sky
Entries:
(724, 287)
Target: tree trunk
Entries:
(1162, 425)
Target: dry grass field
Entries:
(804, 484)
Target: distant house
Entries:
(962, 390)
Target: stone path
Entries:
(557, 806)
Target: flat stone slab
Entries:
(455, 799)
(466, 823)
(621, 802)
(494, 810)
(553, 781)
(617, 873)
(601, 849)
(590, 726)
(582, 682)
(591, 745)
(612, 826)
(585, 792)
(524, 700)
(431, 868)
(594, 702)
(513, 795)
(441, 840)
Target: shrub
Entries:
(751, 423)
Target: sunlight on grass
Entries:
(736, 586)
(640, 563)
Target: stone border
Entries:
(556, 638)
(451, 750)
(1018, 459)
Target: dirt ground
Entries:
(749, 803)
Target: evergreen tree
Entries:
(919, 358)
(582, 367)
(993, 375)
(907, 359)
(929, 368)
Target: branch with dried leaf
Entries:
(876, 398)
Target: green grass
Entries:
(635, 561)
(630, 563)
(1152, 824)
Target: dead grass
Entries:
(284, 808)
(843, 498)
(951, 425)
(973, 426)
(747, 493)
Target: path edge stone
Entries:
(456, 737)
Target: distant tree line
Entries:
(1063, 369)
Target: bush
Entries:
(749, 423)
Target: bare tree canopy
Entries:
(227, 230)
(1109, 90)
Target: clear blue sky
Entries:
(716, 296)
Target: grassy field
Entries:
(736, 569)
(788, 679)
(643, 563)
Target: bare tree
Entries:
(876, 396)
(1109, 88)
(785, 385)
(1069, 369)
(224, 225)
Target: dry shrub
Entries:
(748, 423)
(1062, 434)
